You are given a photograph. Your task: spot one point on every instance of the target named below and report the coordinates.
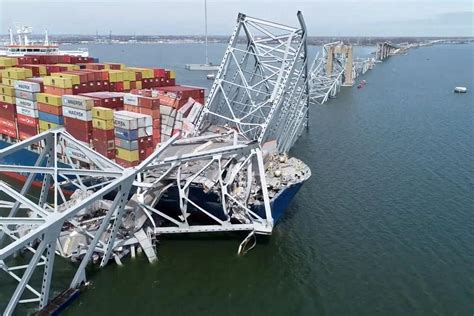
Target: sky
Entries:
(186, 17)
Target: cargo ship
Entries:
(121, 112)
(22, 45)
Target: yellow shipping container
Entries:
(58, 82)
(172, 74)
(41, 130)
(8, 62)
(138, 84)
(7, 90)
(50, 99)
(7, 99)
(44, 125)
(107, 66)
(102, 113)
(126, 85)
(146, 73)
(17, 73)
(8, 82)
(127, 155)
(74, 78)
(116, 75)
(130, 75)
(103, 124)
(70, 67)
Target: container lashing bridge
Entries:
(106, 212)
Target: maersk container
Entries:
(77, 113)
(27, 103)
(27, 86)
(27, 111)
(78, 101)
(25, 95)
(130, 99)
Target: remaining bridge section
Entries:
(385, 50)
(333, 68)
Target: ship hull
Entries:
(278, 204)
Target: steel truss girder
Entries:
(35, 221)
(329, 69)
(262, 84)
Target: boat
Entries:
(211, 76)
(460, 89)
(207, 66)
(23, 46)
(281, 189)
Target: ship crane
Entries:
(260, 97)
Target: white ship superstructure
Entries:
(21, 45)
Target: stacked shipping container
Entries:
(88, 97)
(27, 92)
(103, 134)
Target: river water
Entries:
(385, 226)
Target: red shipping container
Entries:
(7, 111)
(7, 123)
(126, 164)
(156, 124)
(80, 134)
(51, 109)
(116, 86)
(85, 126)
(108, 153)
(23, 135)
(8, 131)
(154, 113)
(57, 91)
(159, 72)
(149, 102)
(27, 129)
(26, 120)
(103, 145)
(100, 134)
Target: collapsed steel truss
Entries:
(88, 208)
(261, 88)
(334, 68)
(46, 224)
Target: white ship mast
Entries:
(205, 29)
(207, 66)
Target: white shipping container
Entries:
(77, 154)
(27, 111)
(25, 95)
(130, 99)
(143, 120)
(145, 131)
(77, 114)
(194, 113)
(26, 103)
(27, 86)
(167, 120)
(166, 130)
(167, 110)
(188, 128)
(125, 122)
(78, 102)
